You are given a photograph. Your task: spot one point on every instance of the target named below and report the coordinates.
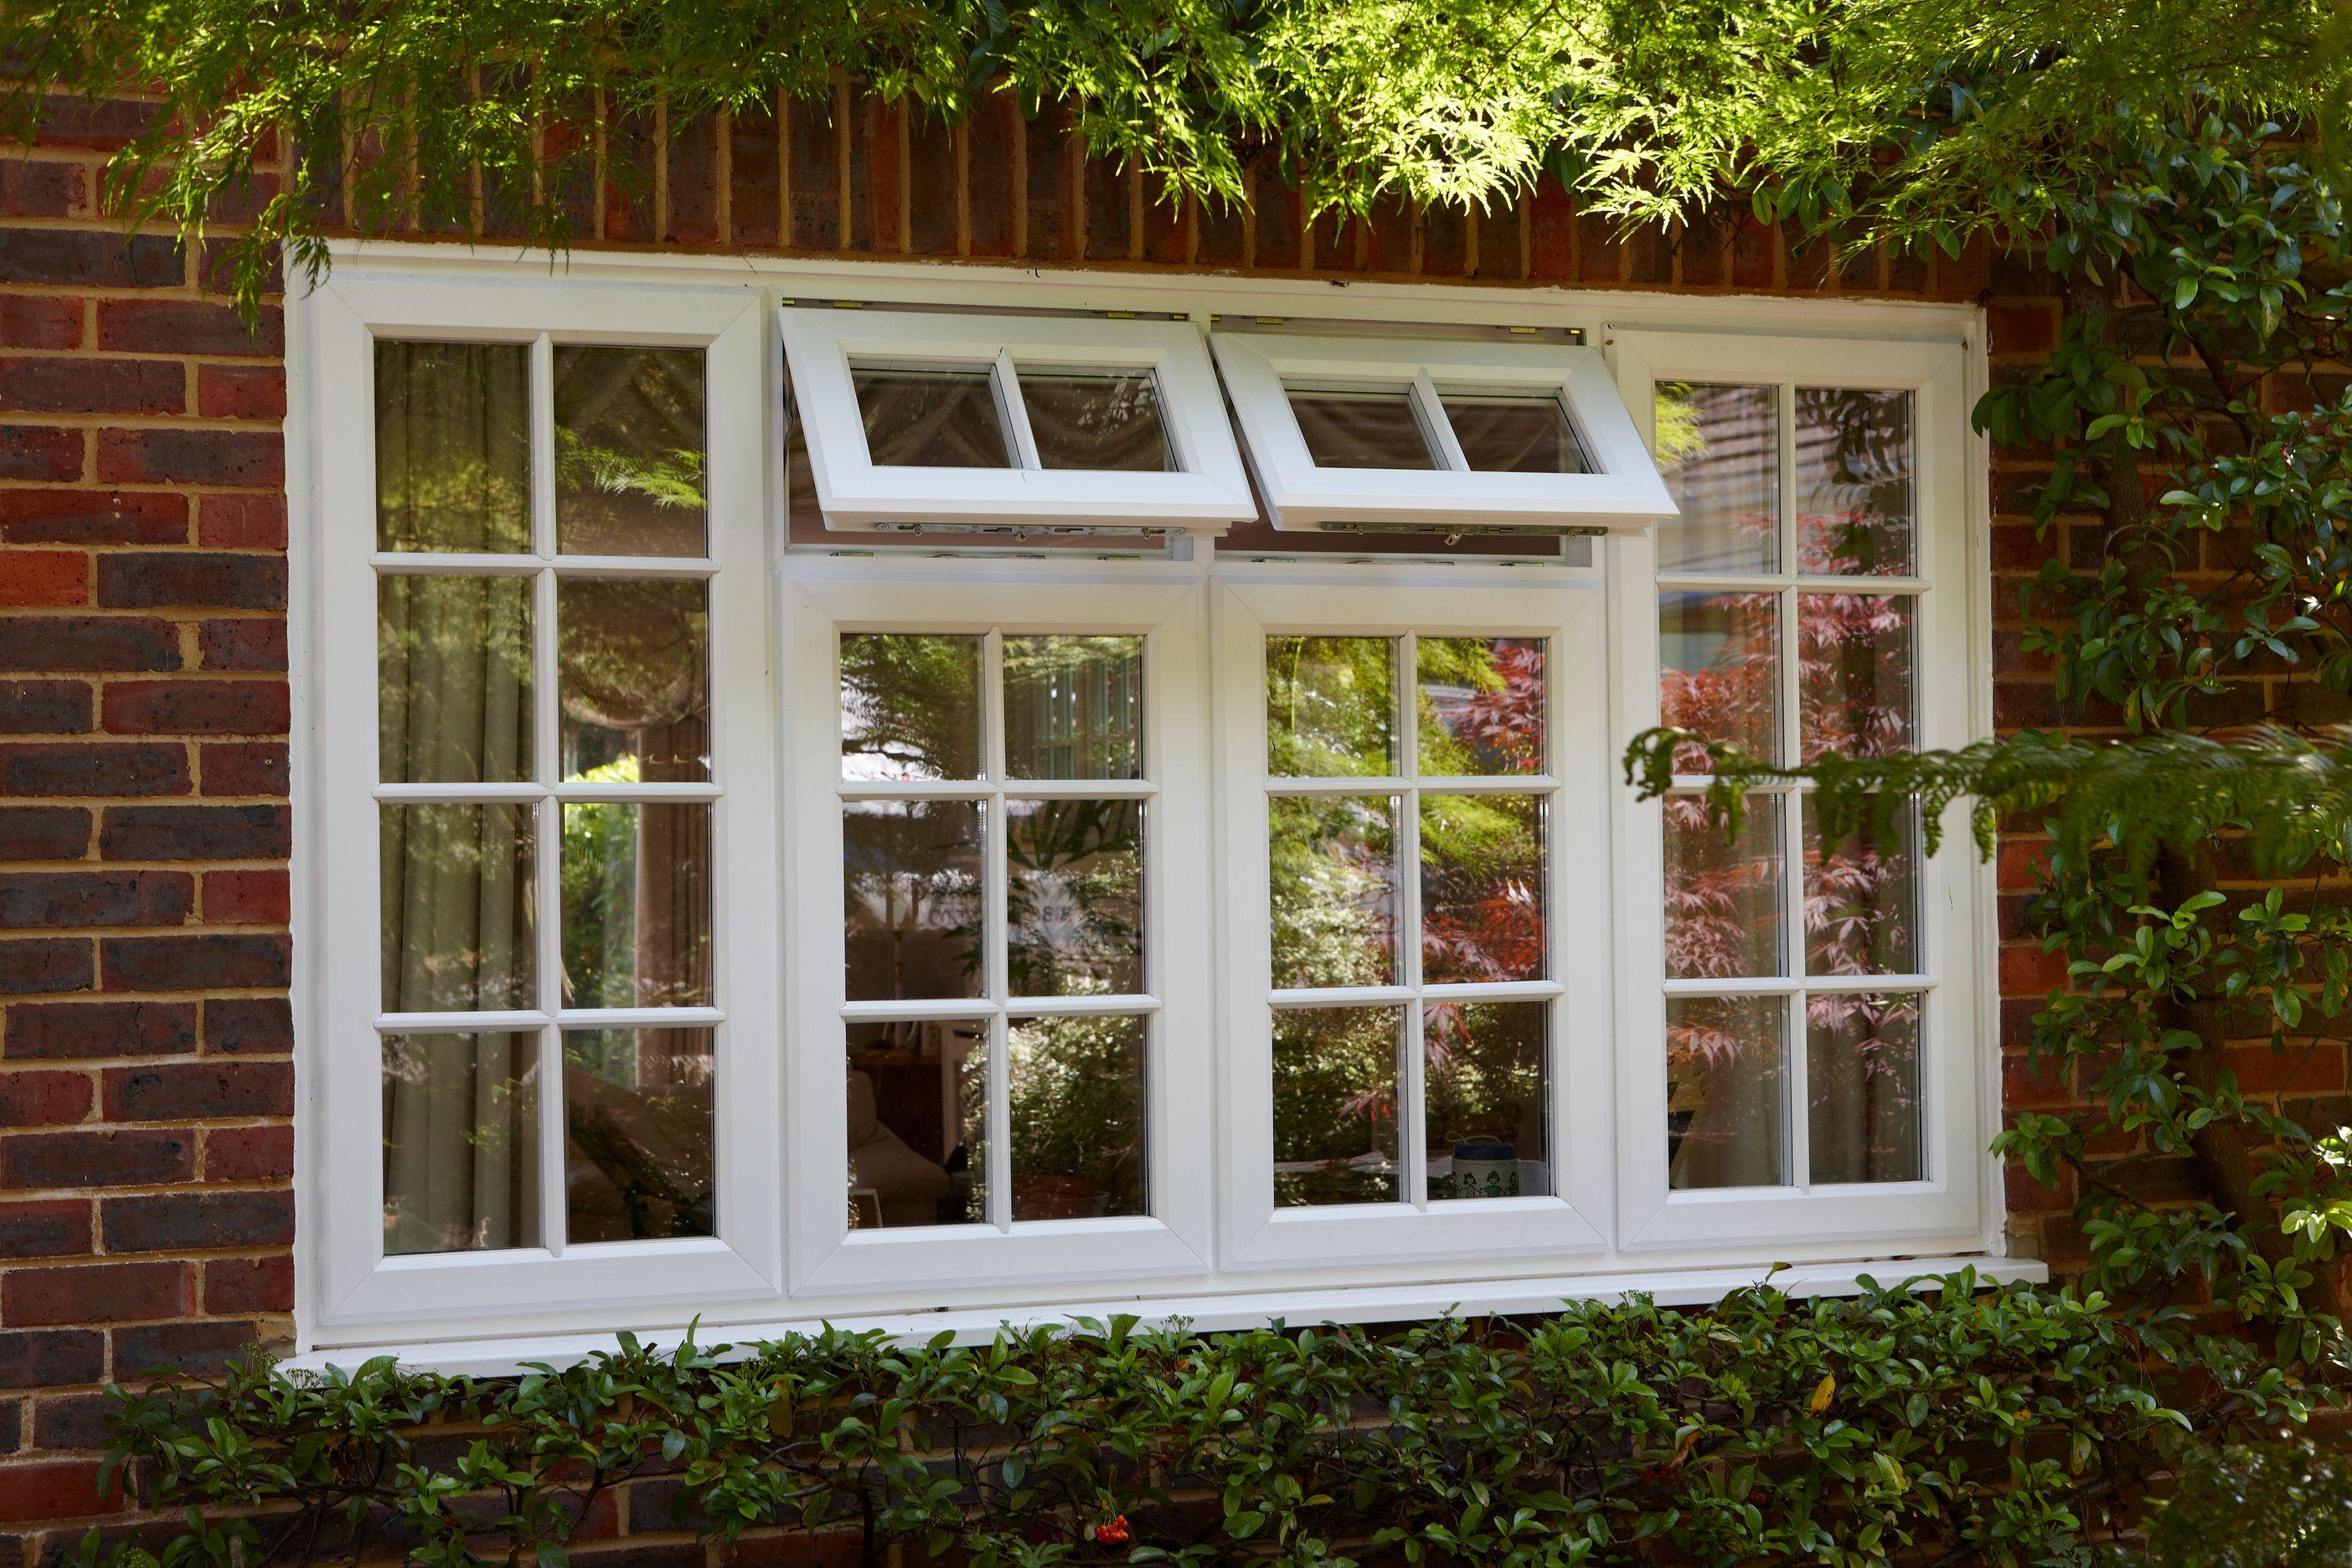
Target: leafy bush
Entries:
(1997, 1425)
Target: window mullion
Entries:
(1413, 1132)
(1016, 411)
(554, 1222)
(997, 980)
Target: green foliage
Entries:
(2259, 1504)
(2000, 1425)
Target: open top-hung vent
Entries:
(1016, 423)
(1408, 435)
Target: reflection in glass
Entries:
(912, 873)
(628, 451)
(1370, 428)
(456, 907)
(1330, 707)
(460, 1142)
(1075, 1102)
(1854, 674)
(1726, 1089)
(1862, 1071)
(1719, 672)
(1854, 497)
(1095, 419)
(1481, 705)
(633, 675)
(917, 1123)
(1332, 870)
(1483, 1076)
(453, 447)
(1073, 707)
(1723, 900)
(1336, 1071)
(1500, 433)
(1074, 897)
(1482, 888)
(636, 904)
(638, 1124)
(453, 679)
(910, 706)
(931, 419)
(1719, 450)
(1862, 900)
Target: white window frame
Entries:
(1573, 1220)
(1624, 494)
(1952, 938)
(1205, 491)
(356, 1282)
(826, 1258)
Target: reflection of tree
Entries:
(1074, 898)
(1075, 1105)
(911, 706)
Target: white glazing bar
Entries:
(997, 982)
(1768, 582)
(910, 1009)
(1341, 785)
(1080, 1006)
(665, 566)
(460, 793)
(1412, 1138)
(1016, 412)
(508, 1021)
(1736, 985)
(547, 768)
(1492, 991)
(444, 563)
(1490, 784)
(915, 789)
(1341, 996)
(1079, 789)
(1441, 437)
(642, 1017)
(649, 793)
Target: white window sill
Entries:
(1676, 1287)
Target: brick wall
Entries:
(145, 1080)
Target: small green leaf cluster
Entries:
(2000, 1425)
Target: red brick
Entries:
(197, 708)
(46, 1227)
(38, 320)
(876, 166)
(97, 1293)
(44, 707)
(754, 171)
(91, 259)
(196, 1349)
(243, 767)
(30, 188)
(1551, 233)
(242, 521)
(194, 833)
(64, 1031)
(92, 768)
(1500, 235)
(249, 1285)
(38, 452)
(813, 222)
(56, 1488)
(102, 124)
(43, 966)
(93, 517)
(59, 900)
(2023, 329)
(2302, 1068)
(253, 643)
(1277, 238)
(190, 457)
(991, 134)
(251, 1026)
(240, 392)
(1444, 242)
(47, 645)
(68, 1421)
(2030, 971)
(182, 1222)
(186, 1092)
(43, 833)
(187, 327)
(51, 1358)
(143, 580)
(248, 1153)
(1110, 224)
(44, 577)
(1388, 231)
(193, 963)
(59, 384)
(247, 898)
(104, 1158)
(43, 1098)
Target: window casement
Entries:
(1030, 424)
(1431, 435)
(1800, 1055)
(546, 789)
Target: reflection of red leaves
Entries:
(1503, 721)
(1111, 1531)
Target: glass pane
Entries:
(458, 908)
(1334, 1105)
(1374, 428)
(1333, 874)
(1854, 669)
(1501, 434)
(637, 1128)
(912, 873)
(628, 451)
(910, 706)
(1073, 708)
(453, 679)
(1862, 1071)
(636, 905)
(1095, 419)
(460, 1142)
(1854, 497)
(453, 447)
(931, 419)
(1481, 705)
(917, 1123)
(1724, 907)
(1075, 1101)
(1074, 897)
(1719, 449)
(1483, 1069)
(1330, 707)
(1719, 671)
(1726, 1085)
(633, 675)
(1482, 888)
(1862, 900)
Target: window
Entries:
(713, 917)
